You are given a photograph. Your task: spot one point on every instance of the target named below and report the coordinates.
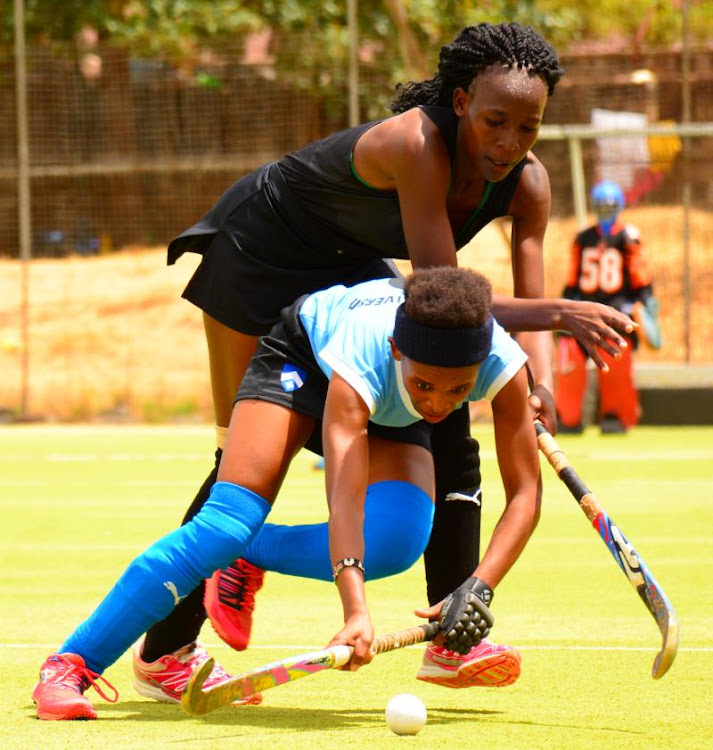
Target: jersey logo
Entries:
(369, 301)
(475, 498)
(292, 378)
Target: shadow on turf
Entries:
(267, 717)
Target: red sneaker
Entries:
(230, 601)
(59, 694)
(165, 678)
(487, 665)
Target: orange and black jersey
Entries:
(611, 269)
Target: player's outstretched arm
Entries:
(466, 617)
(530, 209)
(518, 460)
(346, 457)
(594, 325)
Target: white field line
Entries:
(110, 429)
(314, 647)
(92, 457)
(135, 483)
(669, 455)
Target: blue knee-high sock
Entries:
(166, 572)
(397, 525)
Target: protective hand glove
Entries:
(465, 617)
(646, 314)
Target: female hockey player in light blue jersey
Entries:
(365, 370)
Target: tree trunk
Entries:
(414, 59)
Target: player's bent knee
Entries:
(218, 534)
(397, 526)
(227, 523)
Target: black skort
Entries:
(284, 371)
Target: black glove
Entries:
(465, 617)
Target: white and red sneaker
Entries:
(59, 694)
(230, 601)
(165, 678)
(487, 664)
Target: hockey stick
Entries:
(629, 560)
(197, 702)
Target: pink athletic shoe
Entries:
(59, 694)
(165, 678)
(230, 601)
(487, 665)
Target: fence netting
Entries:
(127, 152)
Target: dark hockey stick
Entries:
(628, 559)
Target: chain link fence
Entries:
(125, 153)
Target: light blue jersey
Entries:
(349, 330)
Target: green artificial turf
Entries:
(78, 503)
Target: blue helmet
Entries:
(607, 203)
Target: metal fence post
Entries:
(579, 190)
(23, 196)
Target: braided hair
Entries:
(473, 50)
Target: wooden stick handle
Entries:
(408, 637)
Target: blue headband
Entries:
(442, 347)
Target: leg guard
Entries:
(397, 524)
(167, 571)
(617, 392)
(571, 382)
(454, 547)
(185, 621)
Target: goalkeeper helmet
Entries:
(607, 203)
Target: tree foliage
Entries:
(181, 27)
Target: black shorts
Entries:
(247, 294)
(253, 263)
(284, 371)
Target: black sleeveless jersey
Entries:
(310, 208)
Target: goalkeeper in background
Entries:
(607, 265)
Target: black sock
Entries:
(184, 623)
(453, 550)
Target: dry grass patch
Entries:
(111, 335)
